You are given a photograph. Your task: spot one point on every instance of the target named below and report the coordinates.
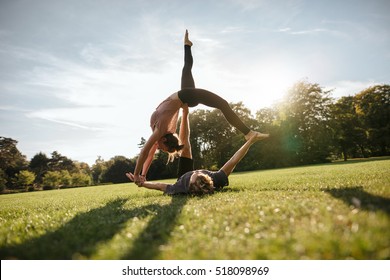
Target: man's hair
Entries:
(173, 146)
(202, 185)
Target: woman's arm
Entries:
(146, 155)
(149, 160)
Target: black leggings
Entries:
(194, 96)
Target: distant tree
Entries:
(271, 153)
(52, 179)
(98, 169)
(212, 137)
(306, 123)
(59, 162)
(39, 165)
(81, 180)
(3, 180)
(24, 178)
(142, 143)
(349, 135)
(373, 109)
(11, 159)
(65, 178)
(159, 169)
(116, 169)
(83, 167)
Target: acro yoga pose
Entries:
(197, 182)
(163, 120)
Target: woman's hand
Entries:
(137, 179)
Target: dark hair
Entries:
(173, 146)
(172, 143)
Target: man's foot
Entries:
(186, 40)
(255, 136)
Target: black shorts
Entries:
(185, 165)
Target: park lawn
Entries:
(330, 211)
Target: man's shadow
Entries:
(80, 236)
(359, 198)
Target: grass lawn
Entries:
(331, 211)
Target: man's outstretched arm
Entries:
(149, 185)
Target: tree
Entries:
(11, 159)
(306, 121)
(116, 169)
(52, 179)
(212, 137)
(98, 169)
(59, 162)
(83, 167)
(39, 165)
(272, 152)
(373, 109)
(349, 135)
(159, 169)
(80, 180)
(65, 178)
(3, 180)
(24, 178)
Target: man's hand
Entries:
(185, 108)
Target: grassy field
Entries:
(331, 211)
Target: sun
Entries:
(271, 87)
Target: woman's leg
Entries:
(187, 81)
(197, 96)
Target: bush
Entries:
(81, 180)
(24, 178)
(52, 179)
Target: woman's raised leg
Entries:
(187, 81)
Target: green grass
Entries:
(331, 211)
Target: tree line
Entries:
(307, 127)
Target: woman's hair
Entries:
(202, 185)
(173, 146)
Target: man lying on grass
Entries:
(198, 182)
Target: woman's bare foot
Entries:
(186, 40)
(256, 136)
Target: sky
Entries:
(82, 77)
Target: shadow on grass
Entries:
(158, 230)
(359, 198)
(80, 237)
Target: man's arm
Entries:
(184, 133)
(148, 185)
(155, 186)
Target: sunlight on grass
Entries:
(332, 211)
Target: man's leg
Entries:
(239, 155)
